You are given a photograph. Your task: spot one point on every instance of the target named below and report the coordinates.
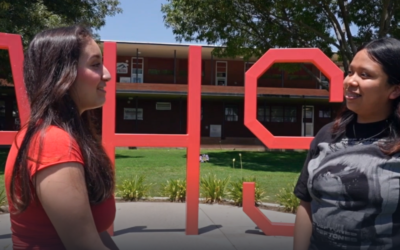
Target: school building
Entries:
(151, 95)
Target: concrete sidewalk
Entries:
(161, 225)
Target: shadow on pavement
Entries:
(142, 229)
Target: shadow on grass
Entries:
(119, 156)
(271, 161)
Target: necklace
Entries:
(354, 132)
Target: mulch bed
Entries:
(226, 203)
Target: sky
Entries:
(141, 21)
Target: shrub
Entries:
(3, 198)
(133, 189)
(287, 199)
(236, 191)
(213, 189)
(175, 190)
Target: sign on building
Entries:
(122, 68)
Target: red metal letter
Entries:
(315, 56)
(110, 139)
(191, 140)
(326, 66)
(13, 43)
(268, 227)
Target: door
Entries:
(307, 125)
(137, 70)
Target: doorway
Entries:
(307, 125)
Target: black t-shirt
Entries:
(353, 188)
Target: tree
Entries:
(28, 17)
(251, 27)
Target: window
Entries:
(324, 82)
(163, 106)
(137, 70)
(325, 113)
(231, 114)
(290, 114)
(263, 114)
(133, 114)
(221, 73)
(276, 114)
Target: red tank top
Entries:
(32, 229)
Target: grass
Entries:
(274, 170)
(3, 158)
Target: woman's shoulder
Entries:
(55, 142)
(56, 136)
(325, 134)
(57, 133)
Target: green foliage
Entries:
(133, 189)
(236, 190)
(273, 169)
(3, 198)
(287, 198)
(175, 190)
(213, 189)
(250, 27)
(27, 18)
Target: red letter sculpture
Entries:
(110, 139)
(191, 140)
(13, 43)
(329, 69)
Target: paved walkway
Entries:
(161, 225)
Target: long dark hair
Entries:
(386, 52)
(50, 69)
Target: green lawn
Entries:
(274, 170)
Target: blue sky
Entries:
(141, 20)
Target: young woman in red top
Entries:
(59, 180)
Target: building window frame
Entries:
(231, 113)
(263, 114)
(290, 114)
(137, 64)
(133, 114)
(277, 113)
(221, 77)
(325, 113)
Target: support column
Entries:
(136, 107)
(180, 115)
(223, 121)
(137, 62)
(174, 66)
(212, 70)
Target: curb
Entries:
(202, 199)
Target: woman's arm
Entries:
(302, 227)
(62, 191)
